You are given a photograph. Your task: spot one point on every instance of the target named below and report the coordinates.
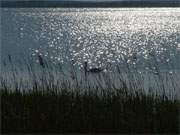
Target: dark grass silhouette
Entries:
(72, 112)
(57, 107)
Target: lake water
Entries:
(99, 36)
(143, 38)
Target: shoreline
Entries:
(83, 4)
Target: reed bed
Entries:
(48, 99)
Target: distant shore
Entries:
(71, 4)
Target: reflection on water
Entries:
(142, 44)
(140, 37)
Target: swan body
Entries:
(92, 70)
(95, 70)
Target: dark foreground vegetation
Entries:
(70, 104)
(87, 112)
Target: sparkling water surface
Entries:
(143, 39)
(99, 36)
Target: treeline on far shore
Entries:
(63, 3)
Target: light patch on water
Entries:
(178, 46)
(138, 36)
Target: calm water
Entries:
(137, 36)
(142, 38)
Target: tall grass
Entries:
(45, 98)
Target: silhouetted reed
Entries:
(49, 99)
